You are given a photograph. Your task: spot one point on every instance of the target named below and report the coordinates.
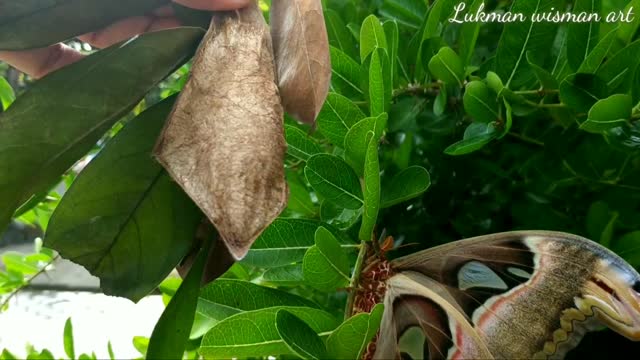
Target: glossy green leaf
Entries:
(28, 24)
(393, 39)
(68, 339)
(545, 78)
(592, 62)
(110, 350)
(285, 242)
(325, 265)
(405, 185)
(581, 91)
(334, 180)
(618, 71)
(371, 189)
(447, 67)
(473, 142)
(440, 11)
(226, 297)
(406, 12)
(357, 139)
(582, 36)
(371, 37)
(350, 340)
(337, 116)
(60, 118)
(519, 37)
(339, 217)
(289, 275)
(301, 339)
(480, 102)
(300, 201)
(171, 333)
(7, 96)
(346, 74)
(608, 113)
(123, 218)
(379, 83)
(299, 144)
(469, 35)
(627, 30)
(339, 36)
(255, 333)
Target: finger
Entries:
(39, 62)
(215, 4)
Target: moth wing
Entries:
(529, 293)
(414, 301)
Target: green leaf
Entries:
(480, 103)
(289, 275)
(285, 242)
(346, 74)
(522, 36)
(580, 91)
(582, 36)
(123, 218)
(299, 144)
(226, 297)
(447, 66)
(6, 355)
(60, 118)
(618, 71)
(299, 199)
(339, 36)
(371, 37)
(627, 30)
(140, 343)
(379, 83)
(339, 217)
(392, 33)
(110, 350)
(406, 12)
(255, 333)
(7, 96)
(435, 21)
(592, 62)
(28, 24)
(440, 102)
(301, 339)
(357, 139)
(608, 113)
(405, 185)
(68, 339)
(350, 340)
(371, 189)
(171, 333)
(628, 247)
(481, 135)
(334, 180)
(546, 79)
(337, 116)
(325, 265)
(469, 35)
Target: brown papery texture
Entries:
(224, 141)
(301, 47)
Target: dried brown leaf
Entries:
(301, 46)
(224, 141)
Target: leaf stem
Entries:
(539, 92)
(355, 278)
(548, 106)
(526, 139)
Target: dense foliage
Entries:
(433, 131)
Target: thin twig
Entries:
(355, 278)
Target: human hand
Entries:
(40, 62)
